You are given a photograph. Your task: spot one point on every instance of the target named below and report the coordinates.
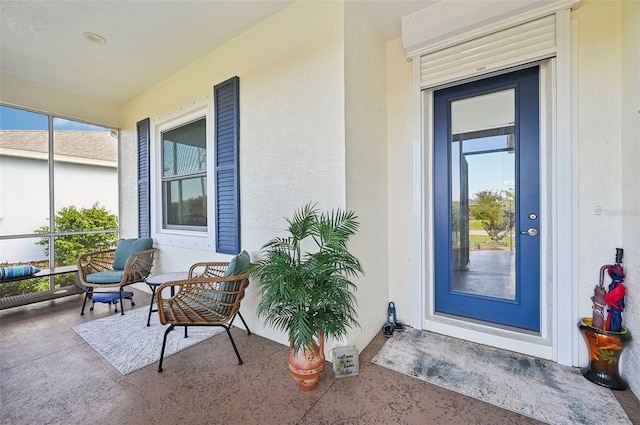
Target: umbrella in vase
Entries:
(615, 297)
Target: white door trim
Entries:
(557, 342)
(565, 152)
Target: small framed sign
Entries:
(346, 361)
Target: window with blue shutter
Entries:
(227, 138)
(144, 216)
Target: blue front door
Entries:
(487, 200)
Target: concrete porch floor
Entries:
(50, 375)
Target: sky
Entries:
(17, 119)
(489, 170)
(493, 171)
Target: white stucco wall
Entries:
(365, 120)
(630, 212)
(400, 174)
(292, 150)
(599, 145)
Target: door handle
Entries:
(530, 232)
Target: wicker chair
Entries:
(129, 263)
(208, 297)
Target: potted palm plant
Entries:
(305, 286)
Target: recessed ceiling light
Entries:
(94, 38)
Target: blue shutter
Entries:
(227, 121)
(144, 216)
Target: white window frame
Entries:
(195, 239)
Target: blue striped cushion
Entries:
(10, 272)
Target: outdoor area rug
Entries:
(533, 387)
(128, 344)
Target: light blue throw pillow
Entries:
(126, 247)
(21, 270)
(238, 264)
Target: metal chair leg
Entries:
(84, 303)
(153, 296)
(164, 344)
(245, 324)
(121, 303)
(233, 343)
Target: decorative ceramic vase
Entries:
(605, 348)
(307, 365)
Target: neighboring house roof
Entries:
(96, 147)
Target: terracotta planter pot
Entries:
(307, 365)
(605, 348)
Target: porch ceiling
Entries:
(146, 41)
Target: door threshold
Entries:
(488, 324)
(499, 336)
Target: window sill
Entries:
(203, 241)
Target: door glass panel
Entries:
(486, 200)
(483, 195)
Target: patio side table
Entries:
(155, 281)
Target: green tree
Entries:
(490, 208)
(70, 219)
(68, 247)
(455, 216)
